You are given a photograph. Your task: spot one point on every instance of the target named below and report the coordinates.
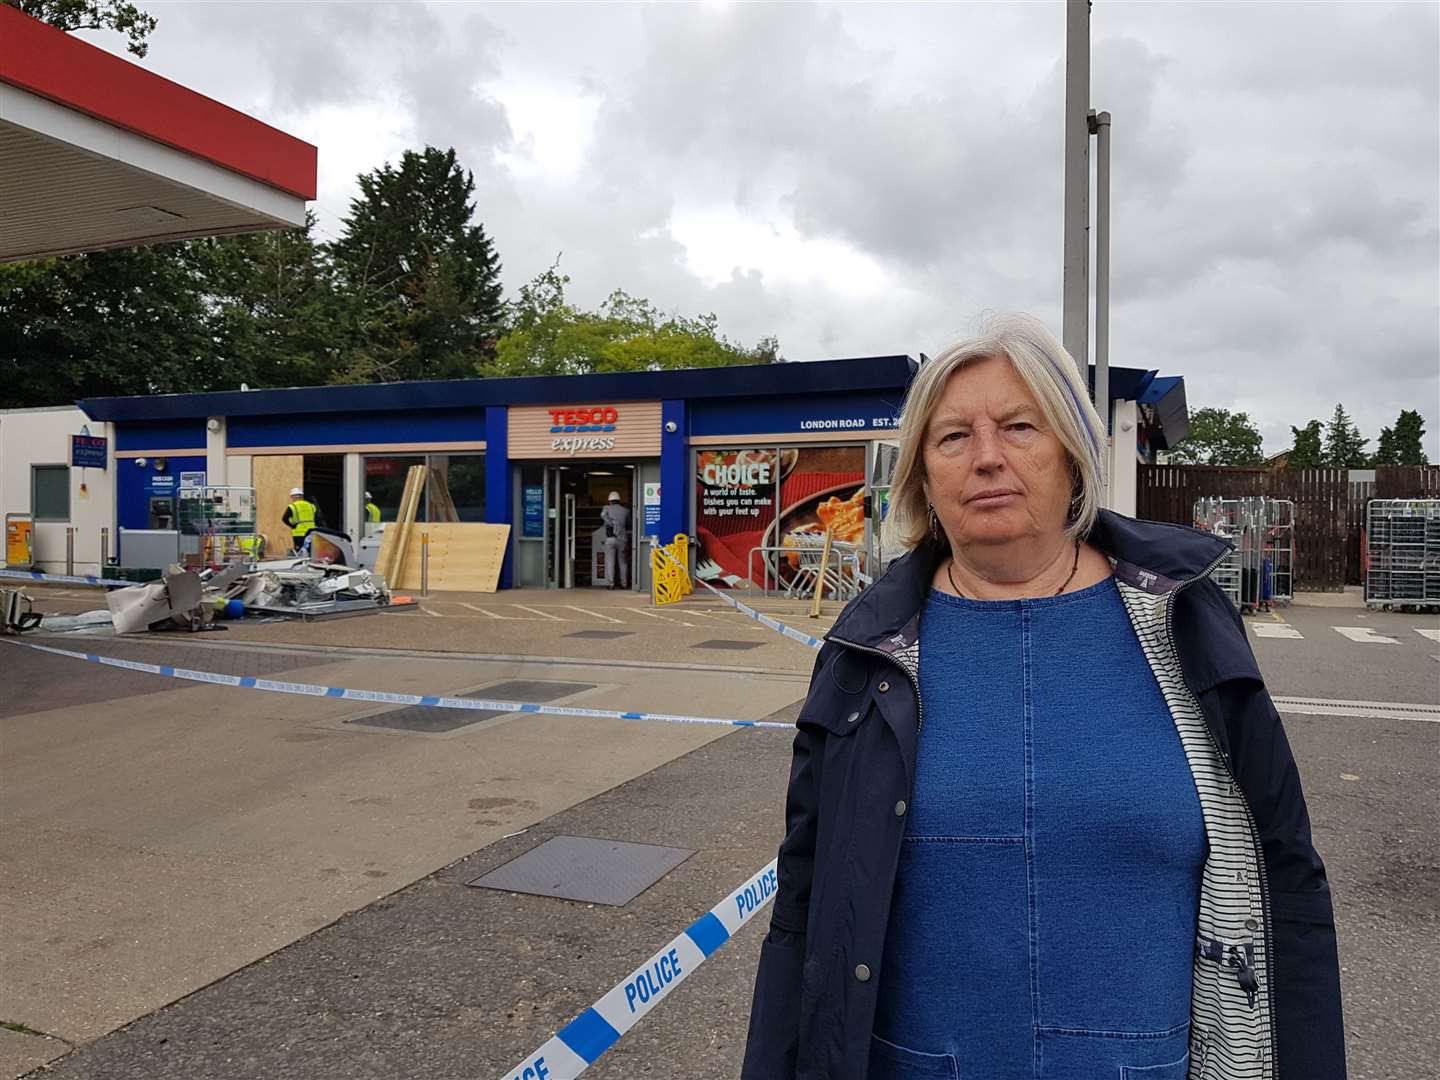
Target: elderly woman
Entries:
(1043, 821)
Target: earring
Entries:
(934, 522)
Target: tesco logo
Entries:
(594, 418)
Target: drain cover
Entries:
(582, 868)
(430, 718)
(721, 643)
(601, 635)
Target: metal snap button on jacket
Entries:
(1251, 924)
(900, 808)
(862, 972)
(852, 718)
(884, 686)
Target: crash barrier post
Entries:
(669, 573)
(104, 548)
(70, 550)
(424, 565)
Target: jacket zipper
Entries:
(1244, 975)
(914, 682)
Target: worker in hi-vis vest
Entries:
(372, 514)
(300, 517)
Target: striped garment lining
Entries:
(1230, 1039)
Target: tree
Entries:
(1307, 452)
(1344, 448)
(129, 321)
(1385, 449)
(1408, 439)
(550, 336)
(69, 15)
(420, 284)
(271, 307)
(1219, 437)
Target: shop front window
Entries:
(384, 480)
(454, 491)
(761, 515)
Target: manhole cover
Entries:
(601, 635)
(431, 718)
(583, 868)
(720, 643)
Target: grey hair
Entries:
(1049, 372)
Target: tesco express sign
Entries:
(583, 428)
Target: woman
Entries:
(1086, 855)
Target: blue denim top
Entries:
(1044, 913)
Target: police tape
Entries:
(759, 616)
(579, 1044)
(69, 579)
(246, 682)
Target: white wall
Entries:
(42, 437)
(1124, 465)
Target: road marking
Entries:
(492, 614)
(1364, 635)
(1276, 630)
(1425, 631)
(429, 611)
(542, 614)
(663, 618)
(1374, 710)
(587, 611)
(1276, 616)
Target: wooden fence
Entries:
(1329, 507)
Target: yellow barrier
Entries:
(670, 580)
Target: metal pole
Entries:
(1075, 331)
(1102, 281)
(104, 548)
(1102, 266)
(70, 550)
(424, 565)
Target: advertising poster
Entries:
(737, 511)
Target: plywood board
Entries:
(464, 557)
(272, 477)
(392, 543)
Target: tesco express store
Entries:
(740, 458)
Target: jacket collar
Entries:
(1151, 555)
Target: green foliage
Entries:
(1307, 451)
(420, 283)
(1344, 447)
(550, 336)
(118, 15)
(113, 322)
(1403, 444)
(1219, 437)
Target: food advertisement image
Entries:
(739, 510)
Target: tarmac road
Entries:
(438, 979)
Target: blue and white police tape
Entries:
(758, 616)
(246, 682)
(579, 1044)
(69, 579)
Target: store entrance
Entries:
(575, 533)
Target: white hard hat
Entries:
(614, 496)
(297, 491)
(368, 495)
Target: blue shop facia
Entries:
(750, 461)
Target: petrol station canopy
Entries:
(96, 152)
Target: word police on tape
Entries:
(579, 1044)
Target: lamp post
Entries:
(1076, 286)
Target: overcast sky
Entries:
(866, 179)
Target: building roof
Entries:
(99, 152)
(747, 380)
